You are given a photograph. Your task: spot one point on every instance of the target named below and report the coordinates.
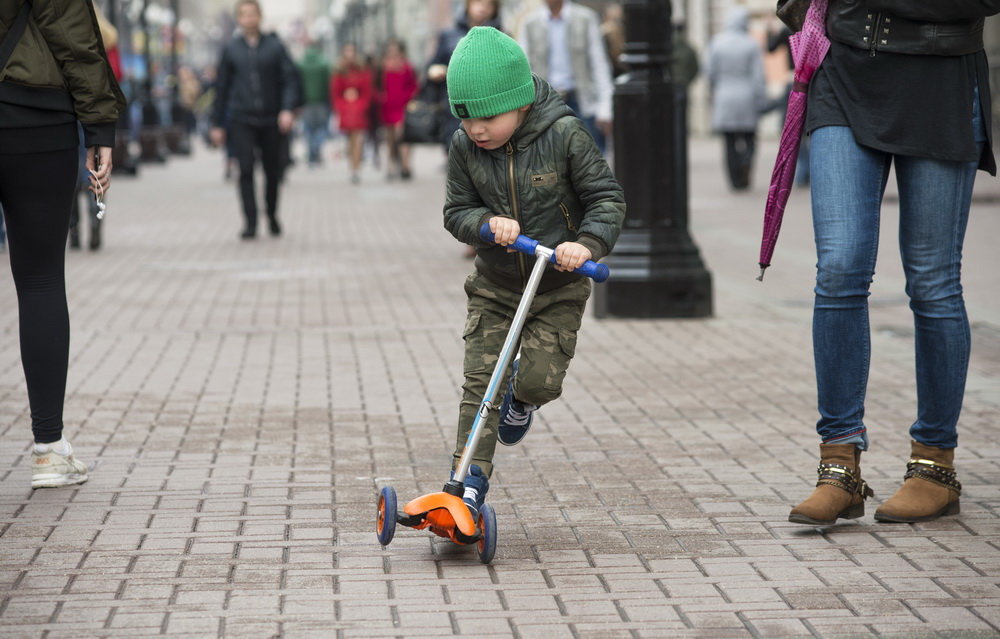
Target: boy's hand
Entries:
(505, 230)
(571, 256)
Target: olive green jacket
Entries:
(550, 177)
(59, 63)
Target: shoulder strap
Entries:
(14, 34)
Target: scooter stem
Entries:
(542, 256)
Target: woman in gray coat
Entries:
(735, 71)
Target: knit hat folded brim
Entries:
(488, 74)
(495, 104)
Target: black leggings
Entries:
(36, 192)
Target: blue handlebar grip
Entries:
(595, 271)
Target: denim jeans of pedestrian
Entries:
(848, 183)
(315, 125)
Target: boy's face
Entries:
(494, 132)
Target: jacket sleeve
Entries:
(464, 209)
(411, 84)
(602, 197)
(291, 82)
(223, 84)
(72, 35)
(937, 10)
(337, 92)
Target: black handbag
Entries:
(423, 117)
(793, 13)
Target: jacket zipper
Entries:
(875, 34)
(522, 262)
(569, 220)
(255, 82)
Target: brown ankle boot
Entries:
(930, 487)
(840, 492)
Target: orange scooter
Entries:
(444, 513)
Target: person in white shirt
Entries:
(563, 43)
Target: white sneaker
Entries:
(51, 469)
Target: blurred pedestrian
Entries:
(351, 93)
(912, 94)
(684, 65)
(399, 86)
(188, 91)
(55, 73)
(613, 32)
(563, 43)
(256, 91)
(373, 135)
(314, 70)
(476, 13)
(735, 72)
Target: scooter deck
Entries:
(444, 515)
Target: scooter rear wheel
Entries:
(385, 524)
(487, 544)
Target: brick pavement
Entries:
(245, 400)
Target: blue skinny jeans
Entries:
(848, 183)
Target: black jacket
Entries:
(928, 27)
(255, 83)
(58, 72)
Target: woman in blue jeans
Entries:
(904, 84)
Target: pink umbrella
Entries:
(809, 47)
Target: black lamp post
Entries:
(656, 268)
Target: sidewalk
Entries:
(245, 400)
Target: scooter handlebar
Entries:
(595, 271)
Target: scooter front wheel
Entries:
(487, 544)
(385, 524)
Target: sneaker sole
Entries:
(55, 481)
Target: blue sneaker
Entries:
(515, 415)
(476, 487)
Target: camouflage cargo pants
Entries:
(548, 342)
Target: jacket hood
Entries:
(545, 110)
(738, 19)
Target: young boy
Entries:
(523, 162)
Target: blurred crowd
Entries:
(359, 111)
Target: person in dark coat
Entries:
(477, 13)
(258, 88)
(56, 77)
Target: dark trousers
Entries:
(740, 148)
(36, 193)
(251, 141)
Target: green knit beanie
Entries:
(488, 75)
